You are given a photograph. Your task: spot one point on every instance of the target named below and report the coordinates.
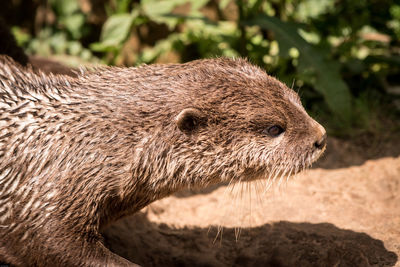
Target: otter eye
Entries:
(274, 130)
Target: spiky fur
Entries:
(79, 153)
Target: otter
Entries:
(77, 153)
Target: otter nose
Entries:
(320, 144)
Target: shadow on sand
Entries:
(277, 244)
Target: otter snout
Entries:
(320, 140)
(321, 143)
(320, 136)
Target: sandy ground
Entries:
(344, 212)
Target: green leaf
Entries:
(123, 6)
(327, 77)
(74, 48)
(313, 8)
(197, 4)
(161, 11)
(149, 55)
(74, 24)
(58, 42)
(223, 4)
(157, 8)
(100, 47)
(117, 29)
(65, 7)
(20, 36)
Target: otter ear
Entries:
(189, 119)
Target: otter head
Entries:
(223, 120)
(235, 122)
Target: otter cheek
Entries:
(276, 141)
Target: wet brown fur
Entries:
(79, 153)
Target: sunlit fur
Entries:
(79, 153)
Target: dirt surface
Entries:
(343, 212)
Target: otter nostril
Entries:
(321, 143)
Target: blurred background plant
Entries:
(342, 56)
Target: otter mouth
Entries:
(271, 173)
(283, 171)
(316, 155)
(281, 167)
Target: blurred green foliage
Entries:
(343, 56)
(62, 36)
